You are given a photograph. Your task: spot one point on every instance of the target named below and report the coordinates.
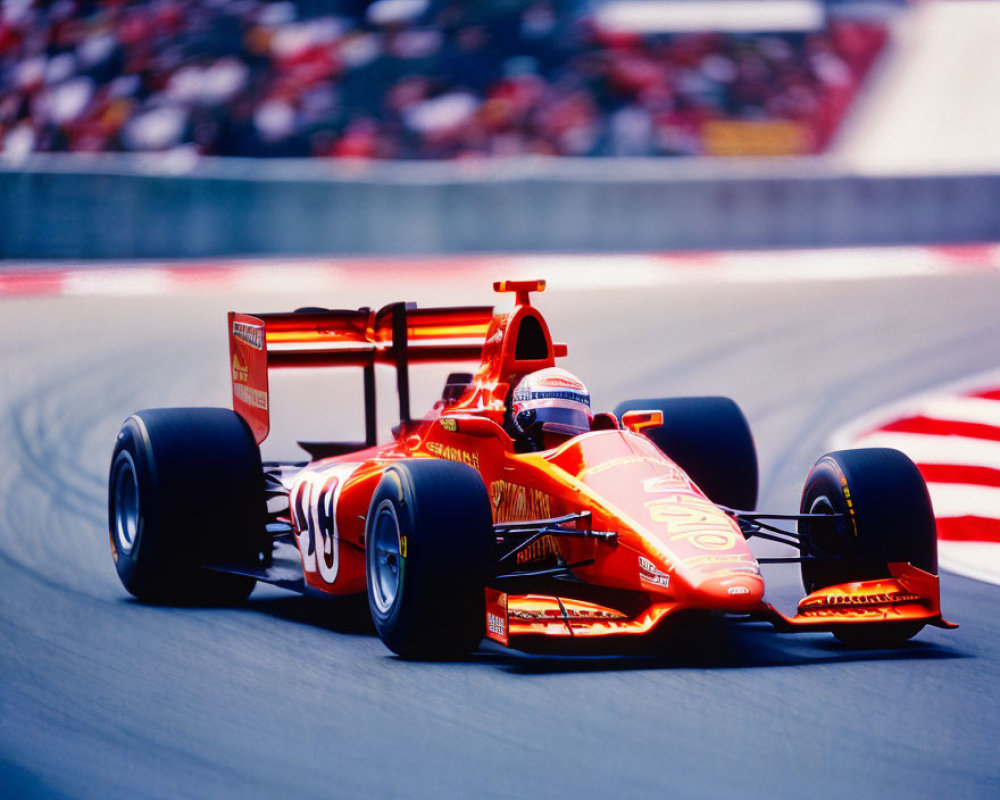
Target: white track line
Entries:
(930, 449)
(964, 500)
(980, 410)
(565, 272)
(847, 435)
(287, 277)
(978, 560)
(973, 559)
(115, 282)
(831, 265)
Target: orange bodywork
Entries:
(669, 547)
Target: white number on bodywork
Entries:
(314, 513)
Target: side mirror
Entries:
(637, 421)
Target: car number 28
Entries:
(314, 506)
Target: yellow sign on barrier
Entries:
(753, 138)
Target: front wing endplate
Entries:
(910, 595)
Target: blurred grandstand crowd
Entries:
(406, 79)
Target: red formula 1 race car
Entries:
(509, 511)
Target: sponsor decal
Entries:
(695, 561)
(863, 606)
(695, 520)
(725, 571)
(734, 590)
(650, 573)
(863, 613)
(449, 424)
(623, 461)
(496, 624)
(252, 335)
(555, 615)
(240, 370)
(561, 382)
(496, 616)
(454, 454)
(720, 540)
(539, 549)
(850, 503)
(863, 600)
(250, 396)
(512, 502)
(664, 483)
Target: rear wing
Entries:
(399, 334)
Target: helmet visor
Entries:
(572, 416)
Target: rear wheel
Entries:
(185, 490)
(429, 540)
(709, 438)
(886, 517)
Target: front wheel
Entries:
(885, 516)
(428, 542)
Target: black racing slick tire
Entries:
(709, 438)
(429, 543)
(185, 490)
(886, 517)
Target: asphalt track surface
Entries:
(101, 696)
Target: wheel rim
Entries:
(126, 505)
(828, 542)
(384, 562)
(829, 538)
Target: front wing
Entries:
(523, 621)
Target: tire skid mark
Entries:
(51, 498)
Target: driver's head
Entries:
(550, 404)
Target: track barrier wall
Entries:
(67, 207)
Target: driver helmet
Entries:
(551, 395)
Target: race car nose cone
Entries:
(732, 592)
